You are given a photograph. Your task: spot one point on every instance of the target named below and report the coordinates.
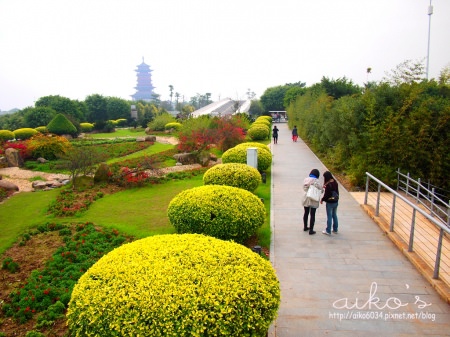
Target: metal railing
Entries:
(428, 198)
(407, 230)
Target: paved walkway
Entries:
(355, 283)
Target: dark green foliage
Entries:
(63, 105)
(385, 128)
(10, 265)
(60, 125)
(40, 116)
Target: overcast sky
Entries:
(75, 48)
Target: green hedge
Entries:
(238, 154)
(233, 174)
(176, 285)
(24, 133)
(224, 212)
(6, 135)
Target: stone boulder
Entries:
(41, 160)
(13, 158)
(40, 185)
(186, 158)
(150, 139)
(8, 186)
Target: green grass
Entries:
(20, 212)
(139, 132)
(157, 147)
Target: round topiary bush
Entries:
(6, 135)
(258, 132)
(238, 154)
(42, 129)
(24, 133)
(176, 285)
(233, 174)
(173, 125)
(268, 118)
(224, 212)
(86, 127)
(262, 121)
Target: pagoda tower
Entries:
(144, 88)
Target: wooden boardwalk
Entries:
(425, 241)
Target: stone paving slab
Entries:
(355, 283)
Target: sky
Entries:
(76, 48)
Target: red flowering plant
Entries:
(228, 132)
(20, 146)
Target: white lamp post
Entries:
(430, 12)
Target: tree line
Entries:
(402, 122)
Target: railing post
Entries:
(432, 202)
(391, 227)
(398, 179)
(407, 183)
(411, 234)
(367, 190)
(448, 214)
(377, 210)
(437, 263)
(418, 191)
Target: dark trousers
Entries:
(312, 219)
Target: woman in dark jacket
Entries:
(331, 197)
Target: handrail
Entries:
(443, 228)
(435, 208)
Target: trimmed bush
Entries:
(238, 154)
(86, 127)
(48, 146)
(42, 129)
(224, 212)
(233, 174)
(121, 122)
(24, 133)
(262, 121)
(173, 125)
(176, 285)
(6, 135)
(60, 125)
(269, 118)
(258, 132)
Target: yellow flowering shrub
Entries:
(176, 285)
(268, 118)
(233, 174)
(24, 133)
(238, 154)
(263, 121)
(258, 132)
(173, 125)
(86, 127)
(6, 135)
(224, 212)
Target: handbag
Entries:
(313, 193)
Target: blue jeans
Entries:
(332, 216)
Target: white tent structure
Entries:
(226, 106)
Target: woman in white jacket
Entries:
(309, 204)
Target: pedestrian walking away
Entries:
(331, 197)
(310, 205)
(294, 134)
(275, 134)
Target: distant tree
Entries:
(444, 76)
(62, 105)
(340, 87)
(291, 94)
(256, 108)
(406, 72)
(272, 99)
(117, 108)
(40, 116)
(13, 121)
(171, 95)
(250, 94)
(97, 108)
(156, 99)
